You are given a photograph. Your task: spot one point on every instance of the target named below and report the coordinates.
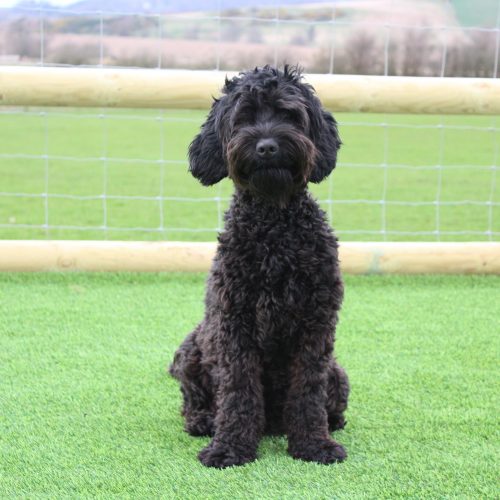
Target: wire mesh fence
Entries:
(122, 174)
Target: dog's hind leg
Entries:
(337, 395)
(197, 407)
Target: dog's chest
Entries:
(277, 272)
(281, 275)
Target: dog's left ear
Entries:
(327, 141)
(206, 160)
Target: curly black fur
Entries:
(261, 359)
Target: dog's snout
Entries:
(267, 148)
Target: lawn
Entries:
(87, 410)
(123, 175)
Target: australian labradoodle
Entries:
(261, 359)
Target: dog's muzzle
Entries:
(271, 162)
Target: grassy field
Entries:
(87, 410)
(133, 142)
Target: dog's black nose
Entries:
(267, 148)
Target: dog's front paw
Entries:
(324, 452)
(220, 456)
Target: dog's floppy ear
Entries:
(327, 141)
(206, 160)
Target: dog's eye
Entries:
(291, 114)
(296, 116)
(242, 117)
(244, 112)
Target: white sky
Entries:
(10, 3)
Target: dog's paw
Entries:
(323, 452)
(221, 456)
(201, 425)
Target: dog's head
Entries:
(268, 133)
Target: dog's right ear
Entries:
(206, 159)
(327, 142)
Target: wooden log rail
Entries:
(147, 88)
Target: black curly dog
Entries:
(261, 359)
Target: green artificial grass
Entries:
(87, 410)
(132, 141)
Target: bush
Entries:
(76, 54)
(23, 39)
(142, 60)
(413, 52)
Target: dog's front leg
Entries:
(239, 421)
(305, 411)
